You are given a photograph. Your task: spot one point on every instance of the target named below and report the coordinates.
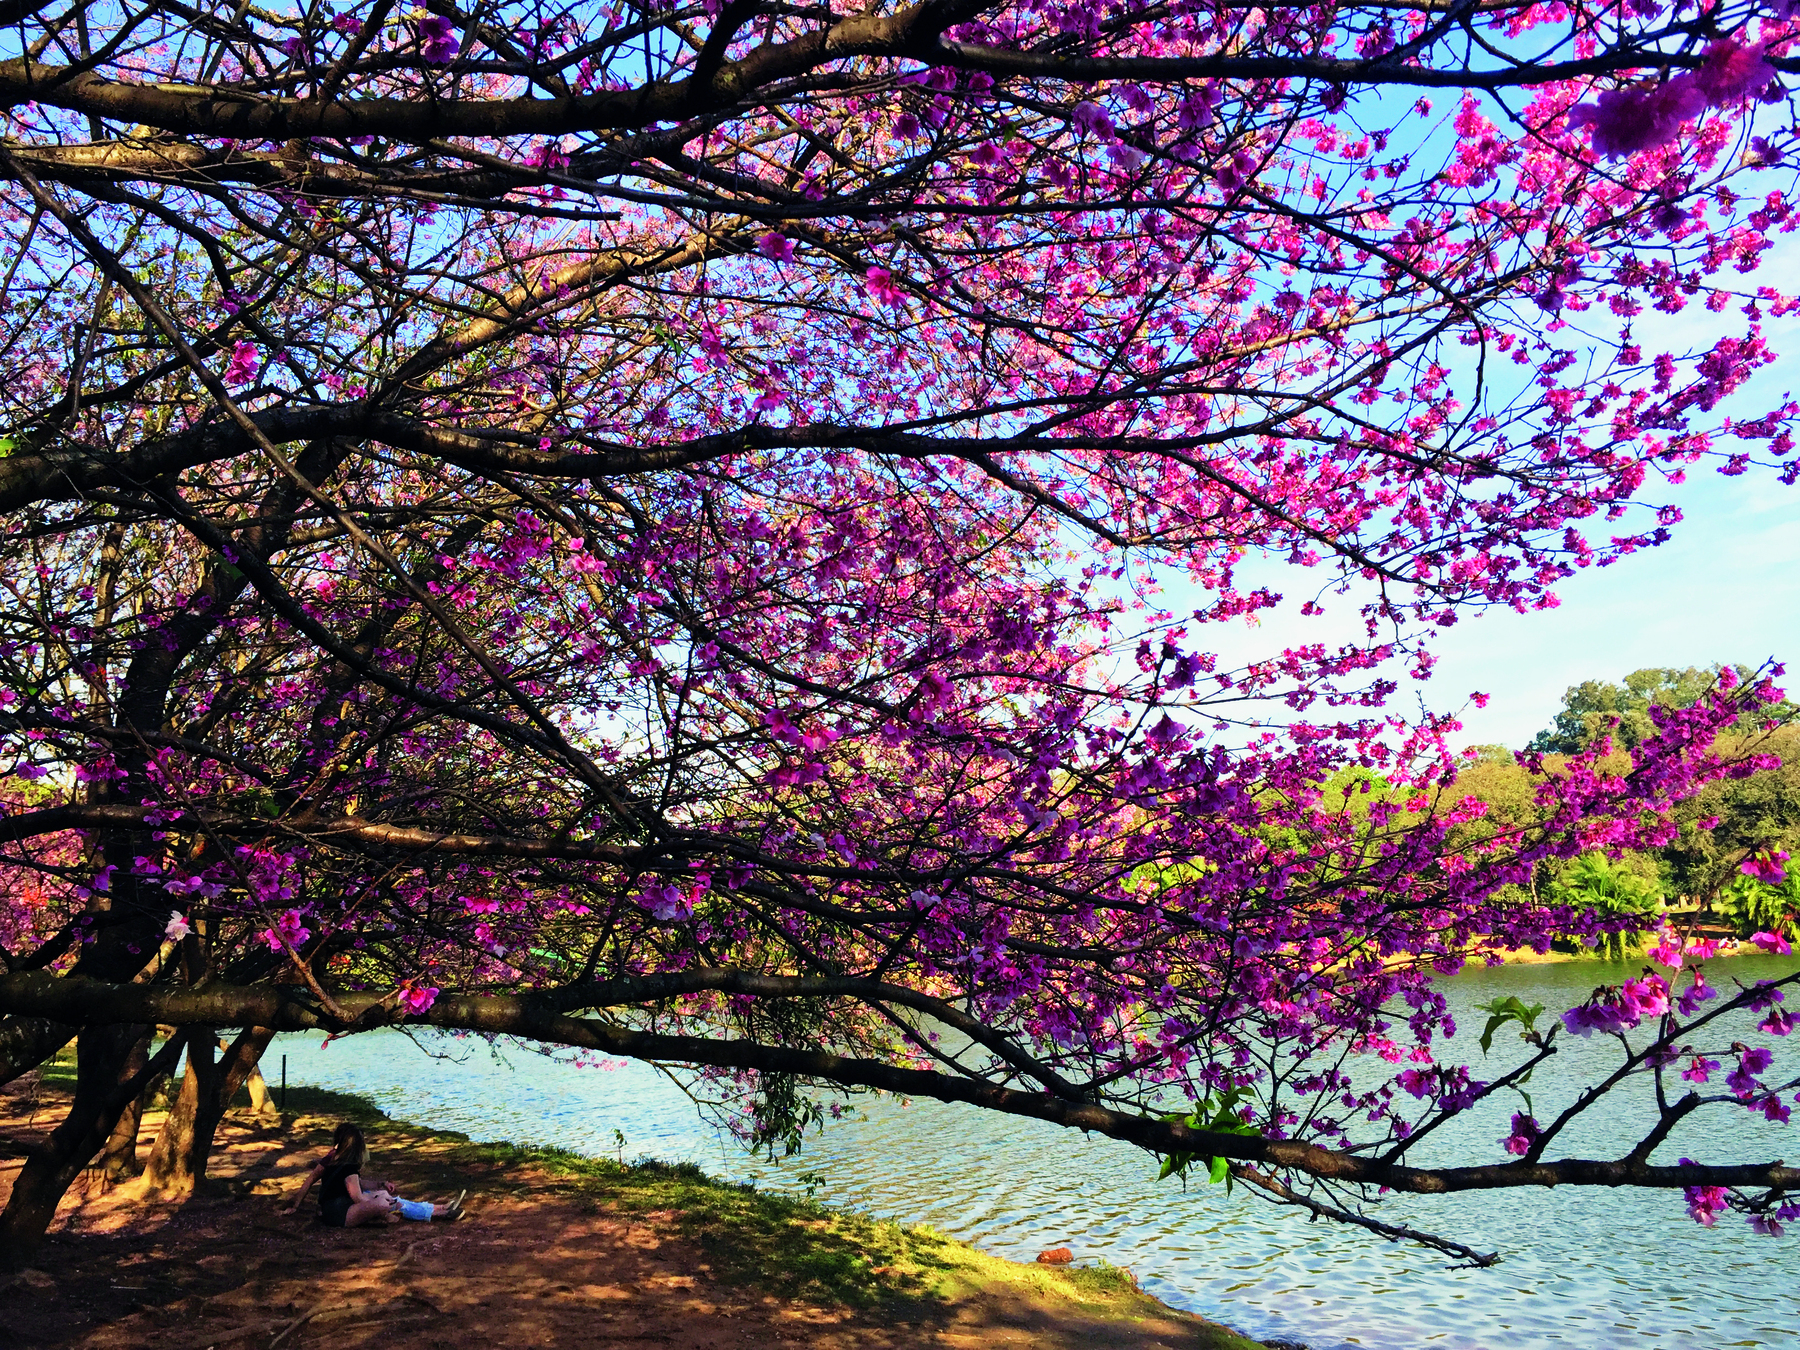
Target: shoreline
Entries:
(557, 1249)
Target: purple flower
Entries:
(776, 246)
(1742, 1080)
(438, 42)
(416, 998)
(1733, 72)
(1766, 867)
(1624, 121)
(1777, 1023)
(1092, 119)
(1772, 1109)
(668, 902)
(1699, 992)
(1765, 152)
(1772, 943)
(1196, 109)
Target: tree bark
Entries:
(105, 1085)
(178, 1161)
(120, 1155)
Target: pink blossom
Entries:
(1525, 1129)
(1418, 1082)
(776, 246)
(1645, 997)
(1668, 948)
(245, 359)
(1700, 1069)
(177, 928)
(416, 998)
(549, 156)
(288, 930)
(1704, 1203)
(880, 283)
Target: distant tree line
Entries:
(1731, 823)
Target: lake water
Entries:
(1583, 1269)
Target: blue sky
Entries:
(1725, 588)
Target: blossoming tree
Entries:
(636, 527)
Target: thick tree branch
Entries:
(94, 1003)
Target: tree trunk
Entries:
(121, 1147)
(261, 1103)
(177, 1163)
(104, 1086)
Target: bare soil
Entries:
(553, 1252)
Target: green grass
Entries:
(59, 1069)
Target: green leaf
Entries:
(1505, 1010)
(1220, 1171)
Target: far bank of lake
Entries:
(1583, 1270)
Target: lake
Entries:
(1583, 1269)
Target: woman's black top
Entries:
(334, 1193)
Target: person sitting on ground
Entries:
(348, 1199)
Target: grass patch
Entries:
(797, 1248)
(59, 1069)
(318, 1101)
(790, 1246)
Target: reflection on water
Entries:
(1584, 1270)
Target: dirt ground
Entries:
(537, 1261)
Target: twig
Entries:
(325, 1306)
(1286, 1195)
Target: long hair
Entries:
(348, 1146)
